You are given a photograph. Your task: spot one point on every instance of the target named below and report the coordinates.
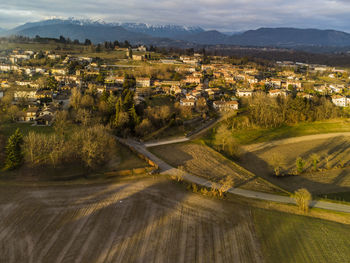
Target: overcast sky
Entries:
(224, 15)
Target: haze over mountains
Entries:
(168, 35)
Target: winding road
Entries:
(168, 169)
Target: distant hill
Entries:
(2, 31)
(291, 37)
(211, 37)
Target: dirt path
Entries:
(259, 146)
(146, 220)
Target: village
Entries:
(40, 91)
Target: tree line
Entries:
(262, 111)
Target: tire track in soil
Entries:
(123, 239)
(115, 225)
(57, 229)
(137, 236)
(147, 234)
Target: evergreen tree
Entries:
(134, 118)
(14, 154)
(118, 110)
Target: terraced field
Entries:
(148, 220)
(203, 161)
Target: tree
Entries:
(302, 198)
(75, 99)
(277, 162)
(225, 184)
(14, 156)
(61, 123)
(221, 136)
(87, 101)
(300, 164)
(225, 141)
(144, 128)
(87, 42)
(134, 119)
(315, 159)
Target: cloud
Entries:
(227, 15)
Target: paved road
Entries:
(200, 131)
(167, 169)
(259, 146)
(171, 141)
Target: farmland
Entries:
(149, 220)
(154, 220)
(296, 238)
(329, 176)
(203, 161)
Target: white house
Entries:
(244, 93)
(225, 105)
(340, 101)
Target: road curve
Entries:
(168, 169)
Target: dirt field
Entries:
(203, 161)
(332, 180)
(149, 220)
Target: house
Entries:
(25, 94)
(29, 115)
(225, 105)
(175, 90)
(244, 93)
(138, 57)
(276, 83)
(294, 84)
(59, 71)
(188, 102)
(142, 48)
(119, 80)
(46, 115)
(53, 56)
(191, 80)
(143, 82)
(43, 94)
(340, 101)
(278, 92)
(305, 95)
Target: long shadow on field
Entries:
(156, 223)
(260, 167)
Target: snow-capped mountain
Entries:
(169, 31)
(163, 31)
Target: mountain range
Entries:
(174, 35)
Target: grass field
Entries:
(293, 238)
(301, 129)
(7, 129)
(149, 220)
(202, 161)
(335, 180)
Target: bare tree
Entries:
(302, 198)
(225, 184)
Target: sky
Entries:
(223, 15)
